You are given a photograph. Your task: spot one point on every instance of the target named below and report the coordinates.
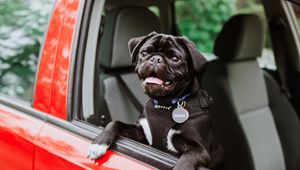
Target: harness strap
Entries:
(206, 101)
(158, 129)
(197, 105)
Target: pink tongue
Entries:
(153, 80)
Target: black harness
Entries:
(160, 119)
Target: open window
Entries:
(106, 87)
(103, 61)
(108, 35)
(107, 65)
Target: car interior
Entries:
(254, 111)
(257, 123)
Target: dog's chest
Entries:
(160, 122)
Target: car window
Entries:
(22, 26)
(155, 10)
(201, 22)
(118, 25)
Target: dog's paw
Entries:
(97, 151)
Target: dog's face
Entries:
(165, 64)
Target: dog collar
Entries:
(179, 114)
(175, 100)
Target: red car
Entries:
(58, 81)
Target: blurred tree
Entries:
(22, 25)
(201, 20)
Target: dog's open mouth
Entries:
(153, 79)
(156, 84)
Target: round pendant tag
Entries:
(180, 115)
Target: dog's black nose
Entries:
(156, 59)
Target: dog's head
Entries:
(165, 64)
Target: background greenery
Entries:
(22, 26)
(23, 22)
(201, 20)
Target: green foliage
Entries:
(22, 25)
(201, 20)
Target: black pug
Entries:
(175, 118)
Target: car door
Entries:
(19, 128)
(63, 142)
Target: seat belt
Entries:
(130, 94)
(278, 27)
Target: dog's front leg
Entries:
(192, 158)
(113, 130)
(193, 154)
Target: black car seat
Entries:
(119, 87)
(256, 123)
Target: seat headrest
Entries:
(241, 38)
(120, 25)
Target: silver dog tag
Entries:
(180, 114)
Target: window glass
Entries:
(155, 10)
(22, 26)
(201, 22)
(111, 103)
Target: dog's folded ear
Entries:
(198, 60)
(135, 44)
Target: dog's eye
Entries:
(175, 58)
(144, 53)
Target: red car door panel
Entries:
(57, 148)
(18, 133)
(60, 81)
(42, 97)
(52, 80)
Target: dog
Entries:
(175, 118)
